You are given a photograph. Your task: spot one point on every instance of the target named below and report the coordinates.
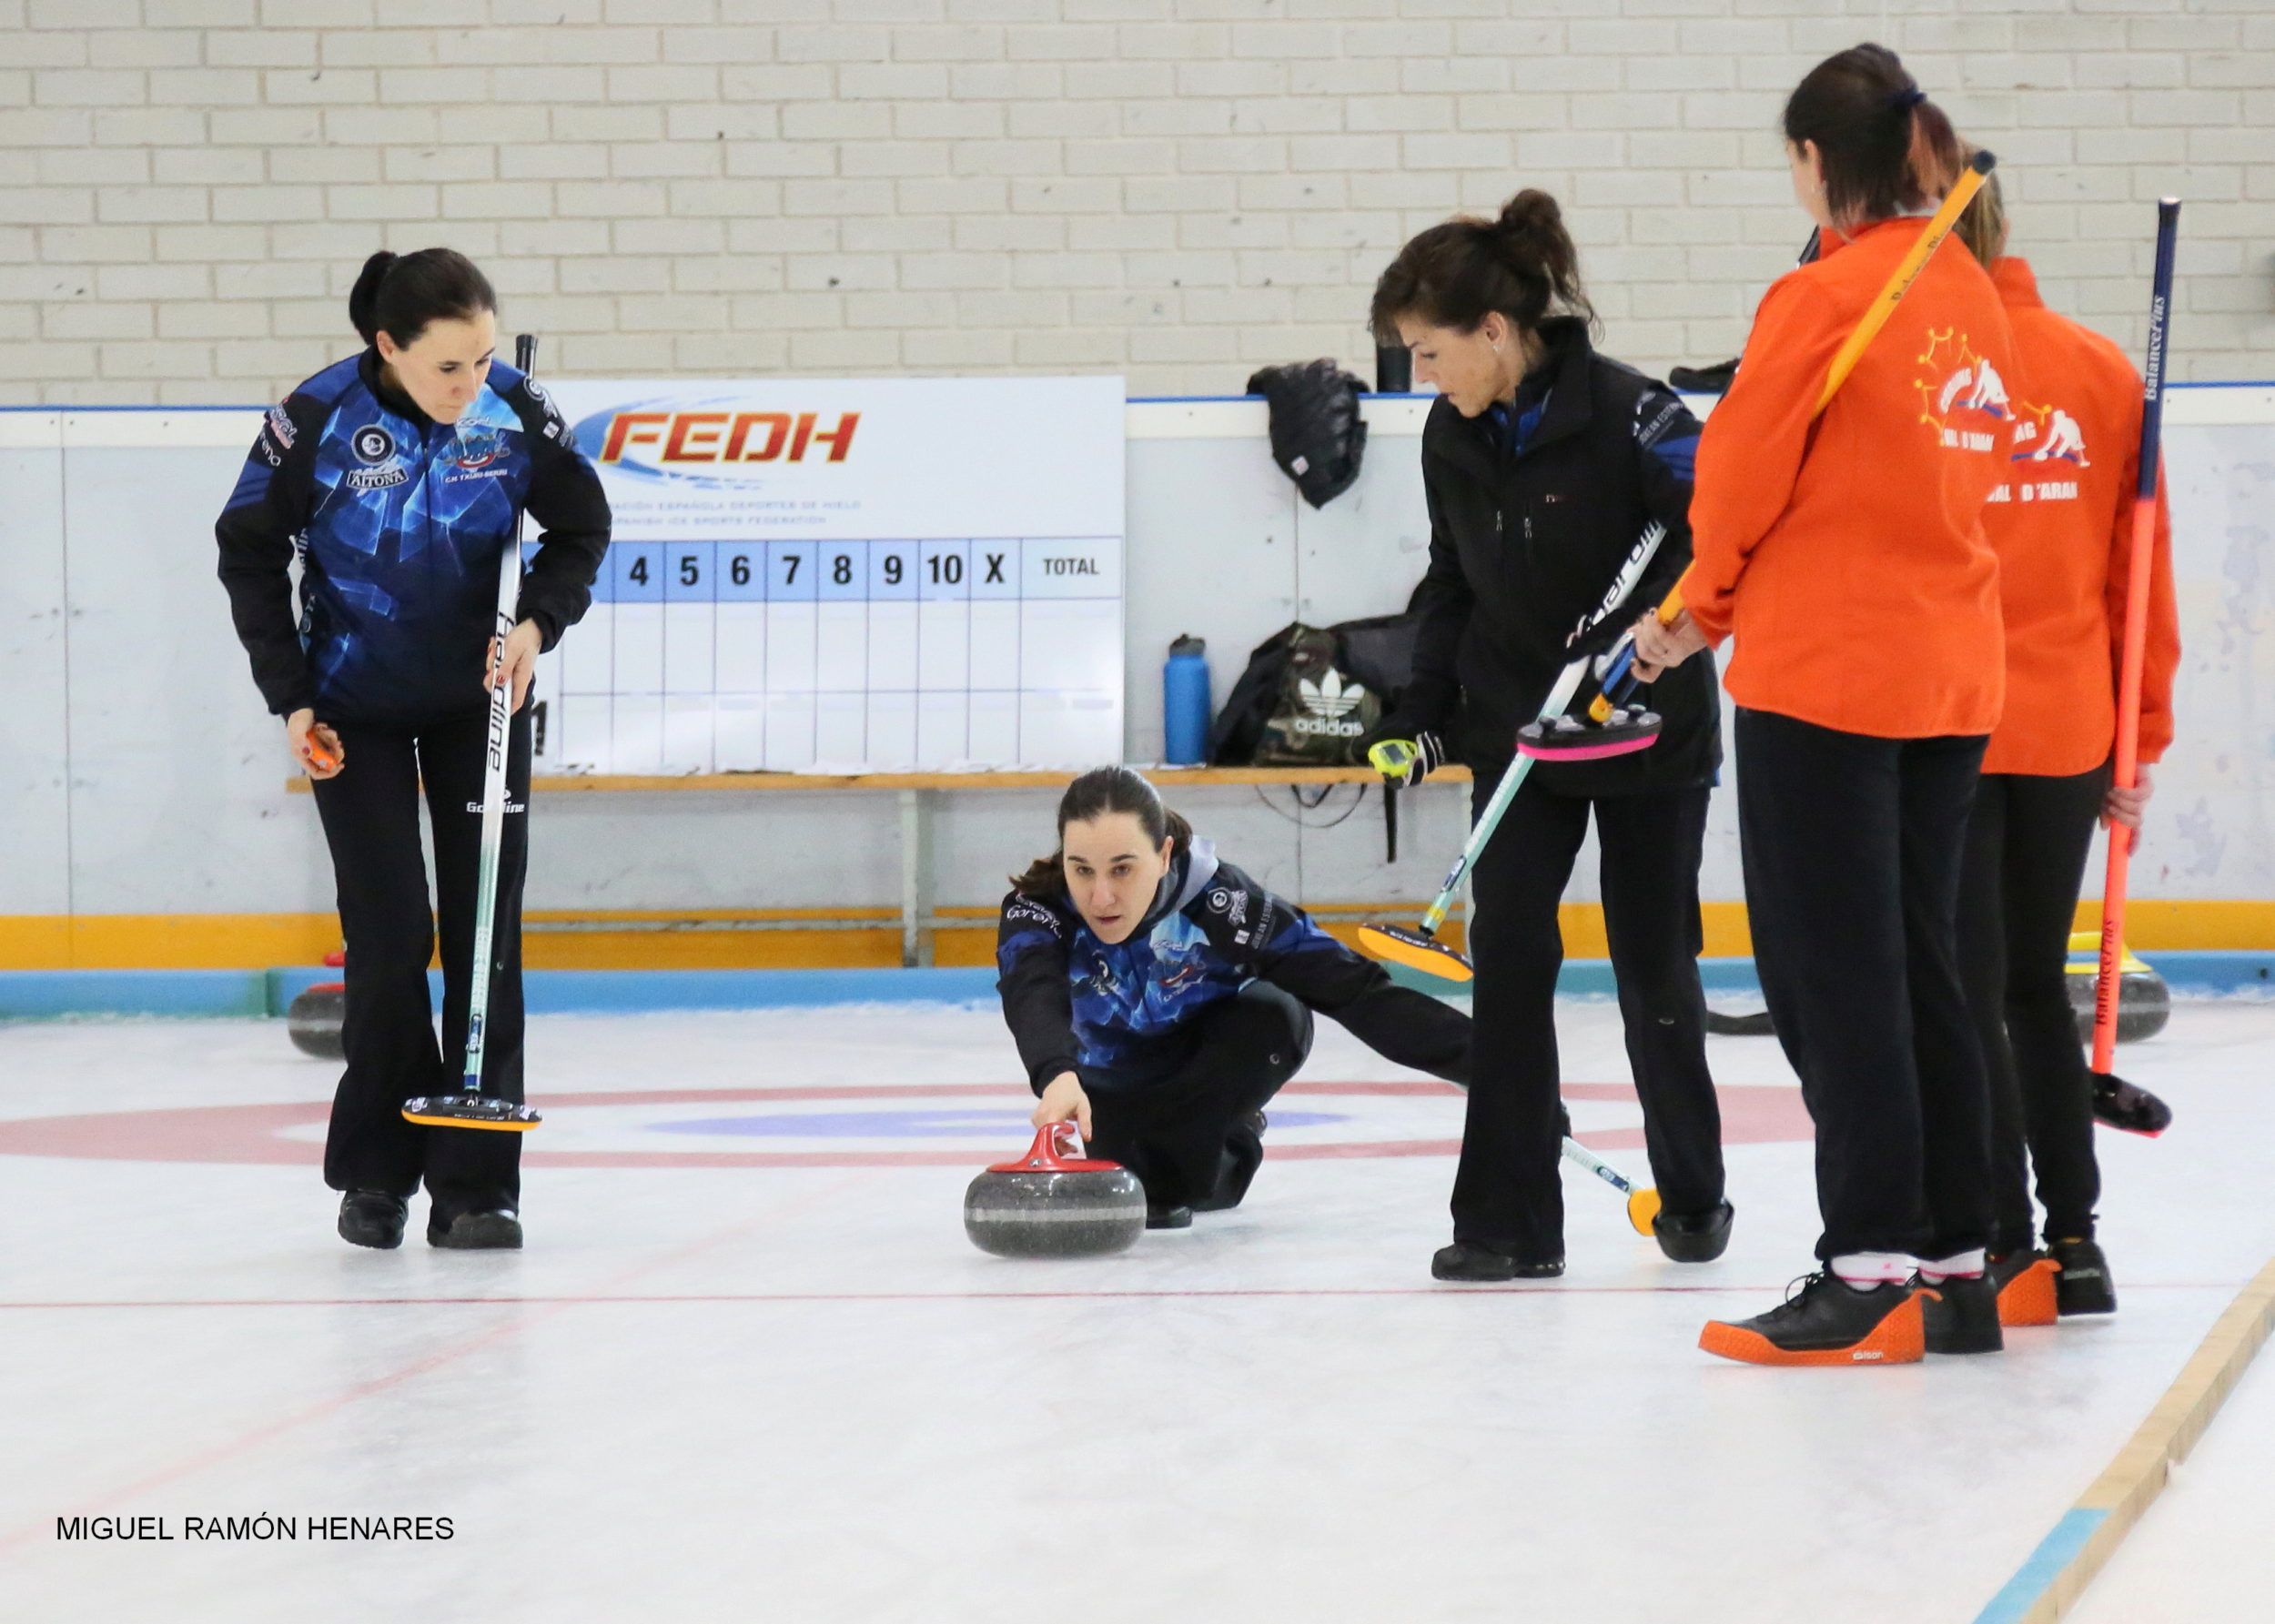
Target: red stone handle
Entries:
(1058, 1145)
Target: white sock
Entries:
(1865, 1270)
(1965, 1266)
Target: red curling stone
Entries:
(1055, 1203)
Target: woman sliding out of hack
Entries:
(1160, 997)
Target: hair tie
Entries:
(1904, 101)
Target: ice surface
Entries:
(751, 1367)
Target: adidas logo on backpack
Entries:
(1329, 701)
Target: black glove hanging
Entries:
(1318, 437)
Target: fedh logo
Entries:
(1329, 701)
(1956, 384)
(713, 444)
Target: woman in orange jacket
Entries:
(2062, 524)
(1847, 557)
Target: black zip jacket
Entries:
(1533, 513)
(1121, 1015)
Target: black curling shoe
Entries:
(1243, 1154)
(1694, 1237)
(372, 1218)
(2084, 1285)
(477, 1231)
(1961, 1313)
(1162, 1215)
(1484, 1261)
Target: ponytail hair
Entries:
(1885, 149)
(399, 294)
(1096, 794)
(1523, 264)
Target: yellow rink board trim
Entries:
(2057, 1572)
(853, 938)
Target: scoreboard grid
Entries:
(738, 655)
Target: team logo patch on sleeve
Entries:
(280, 428)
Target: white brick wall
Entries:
(1179, 189)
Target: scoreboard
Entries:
(841, 576)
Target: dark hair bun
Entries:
(363, 299)
(1530, 218)
(1521, 263)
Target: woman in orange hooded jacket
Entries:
(2062, 524)
(1845, 554)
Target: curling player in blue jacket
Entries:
(396, 477)
(1160, 997)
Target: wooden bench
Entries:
(919, 794)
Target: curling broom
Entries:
(2116, 1101)
(470, 1107)
(1417, 946)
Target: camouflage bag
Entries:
(1320, 711)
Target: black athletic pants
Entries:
(1852, 847)
(1509, 1189)
(1183, 1133)
(2026, 859)
(371, 815)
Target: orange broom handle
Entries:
(2114, 880)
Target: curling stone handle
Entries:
(1058, 1143)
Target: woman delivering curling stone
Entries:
(1547, 467)
(2063, 527)
(1847, 555)
(400, 473)
(1160, 997)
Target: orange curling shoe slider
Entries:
(1827, 1321)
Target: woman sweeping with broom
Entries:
(1550, 470)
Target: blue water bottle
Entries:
(1185, 708)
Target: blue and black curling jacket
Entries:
(398, 520)
(1119, 1015)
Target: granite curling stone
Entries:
(314, 1020)
(2144, 1003)
(1054, 1203)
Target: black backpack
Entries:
(1309, 695)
